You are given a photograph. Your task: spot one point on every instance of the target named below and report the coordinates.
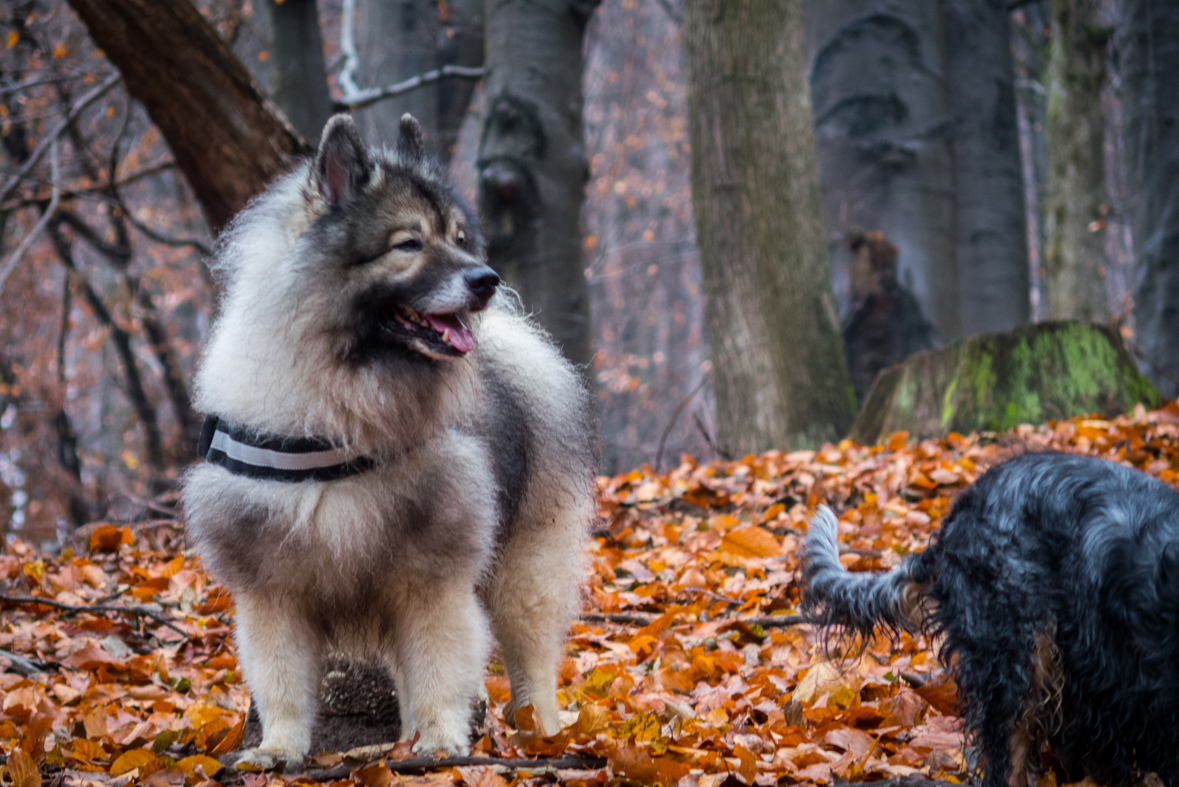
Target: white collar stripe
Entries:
(268, 457)
(264, 457)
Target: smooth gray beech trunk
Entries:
(1074, 257)
(1147, 41)
(300, 76)
(993, 274)
(779, 369)
(1030, 50)
(883, 125)
(532, 163)
(399, 40)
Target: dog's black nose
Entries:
(483, 282)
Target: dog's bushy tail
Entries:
(859, 603)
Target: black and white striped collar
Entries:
(246, 452)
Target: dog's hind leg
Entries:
(1040, 715)
(994, 643)
(279, 652)
(441, 642)
(532, 596)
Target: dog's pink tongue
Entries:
(450, 325)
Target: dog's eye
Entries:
(409, 244)
(461, 237)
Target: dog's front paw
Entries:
(269, 759)
(452, 743)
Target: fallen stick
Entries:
(430, 763)
(22, 665)
(643, 618)
(75, 609)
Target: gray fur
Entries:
(856, 603)
(477, 518)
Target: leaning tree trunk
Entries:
(228, 140)
(532, 163)
(779, 368)
(1148, 55)
(300, 76)
(1074, 258)
(883, 127)
(992, 249)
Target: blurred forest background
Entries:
(924, 171)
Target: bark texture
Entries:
(228, 139)
(998, 381)
(779, 368)
(1074, 258)
(883, 128)
(1148, 55)
(400, 40)
(300, 75)
(993, 274)
(532, 163)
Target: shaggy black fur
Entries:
(1055, 581)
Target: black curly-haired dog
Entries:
(1055, 581)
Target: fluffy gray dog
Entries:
(398, 465)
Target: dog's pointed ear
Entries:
(411, 142)
(341, 166)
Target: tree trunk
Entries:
(883, 127)
(1148, 56)
(992, 248)
(996, 382)
(532, 163)
(228, 140)
(1030, 37)
(399, 40)
(779, 368)
(300, 76)
(1074, 259)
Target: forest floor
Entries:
(689, 664)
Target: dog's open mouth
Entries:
(443, 331)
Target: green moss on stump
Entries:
(994, 382)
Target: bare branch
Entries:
(416, 764)
(121, 339)
(41, 224)
(644, 618)
(37, 198)
(25, 666)
(75, 609)
(56, 132)
(357, 98)
(675, 417)
(16, 87)
(370, 96)
(347, 78)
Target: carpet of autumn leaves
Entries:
(688, 667)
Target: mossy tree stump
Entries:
(998, 381)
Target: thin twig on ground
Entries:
(22, 665)
(644, 618)
(623, 618)
(77, 609)
(430, 764)
(704, 591)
